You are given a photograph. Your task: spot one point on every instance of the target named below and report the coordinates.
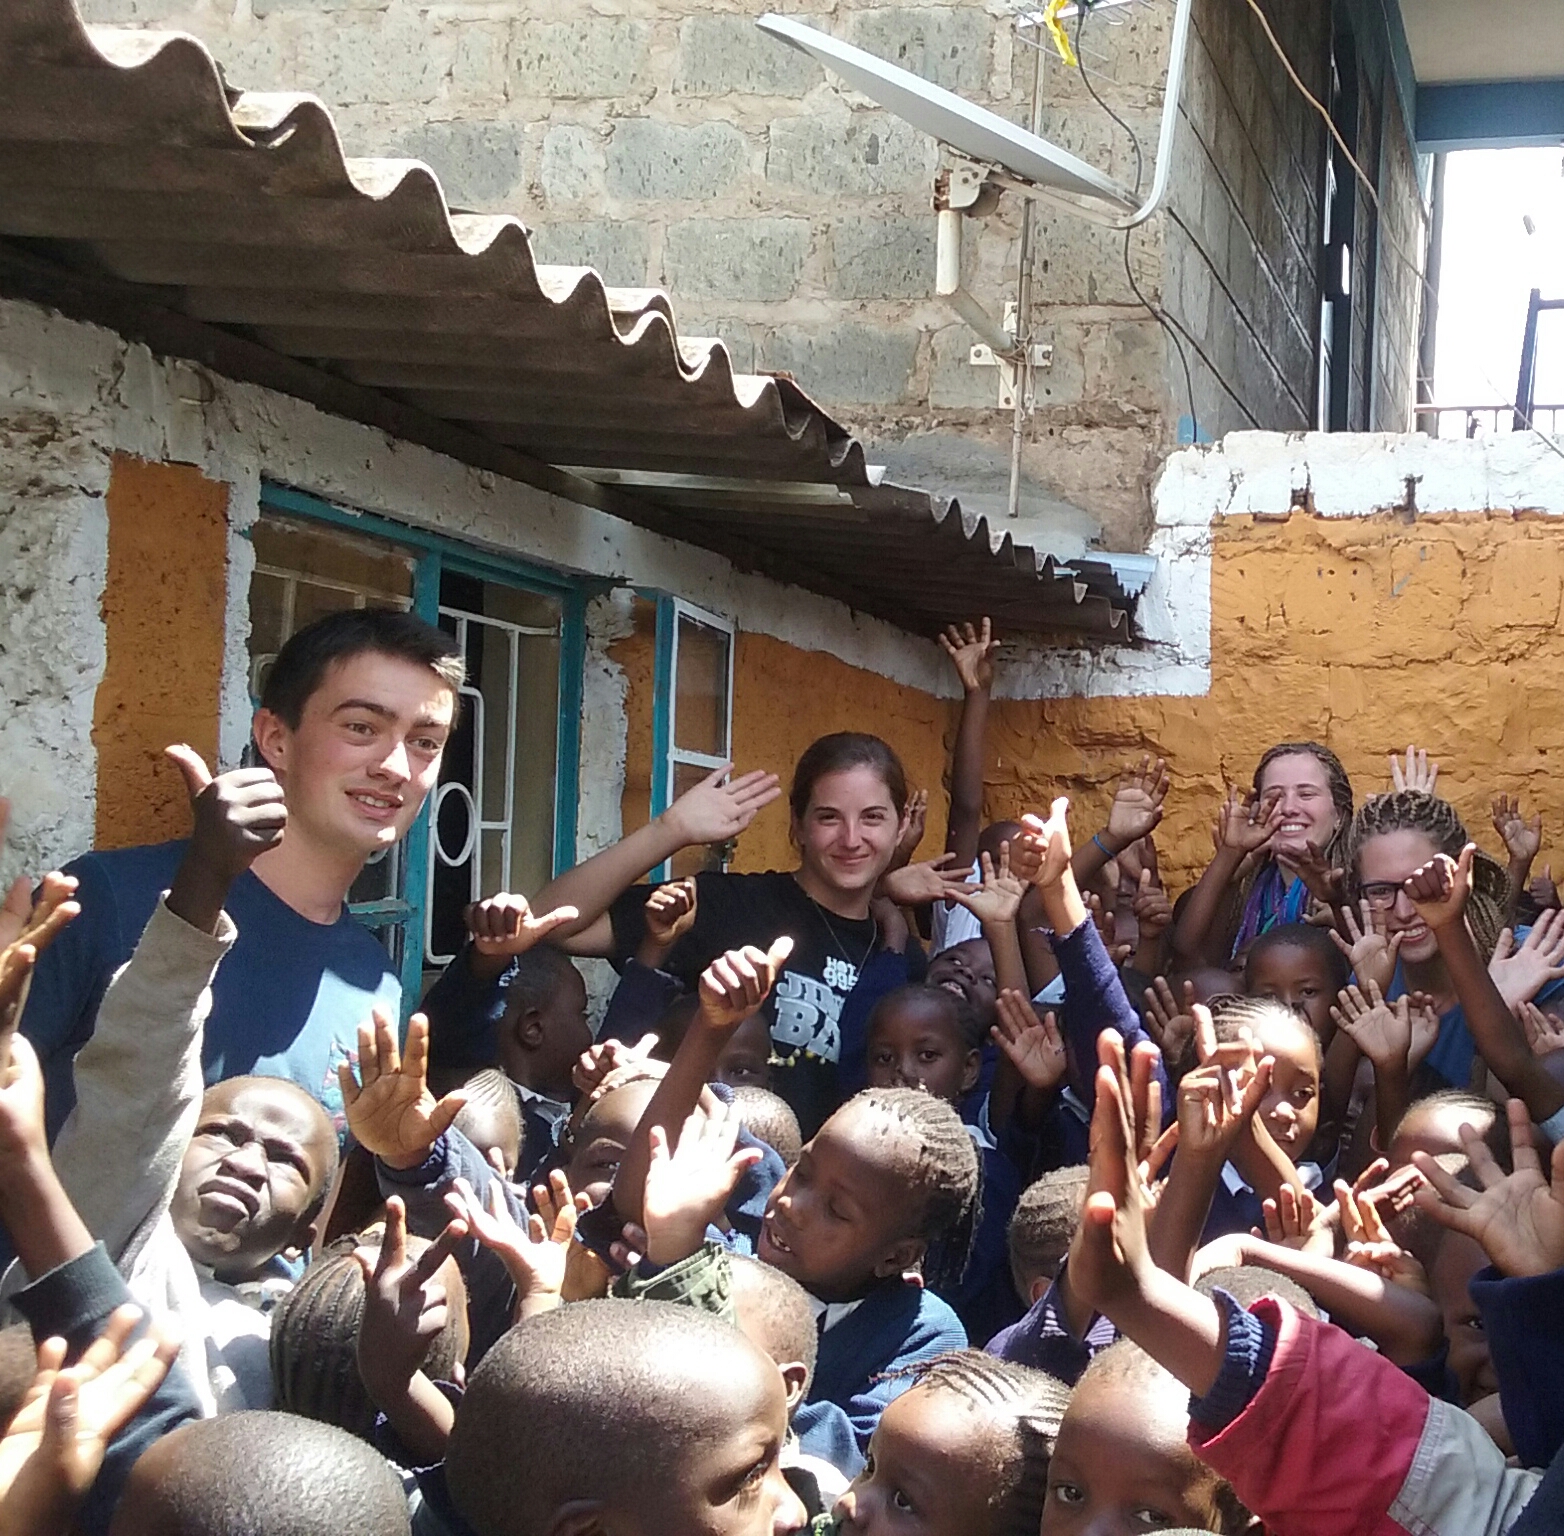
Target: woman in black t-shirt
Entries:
(847, 800)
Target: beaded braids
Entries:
(943, 1165)
(1032, 1402)
(1411, 810)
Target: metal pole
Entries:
(1023, 326)
(1526, 386)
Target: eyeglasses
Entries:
(1381, 895)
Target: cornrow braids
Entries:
(945, 1169)
(1411, 810)
(1044, 1224)
(1030, 1403)
(314, 1345)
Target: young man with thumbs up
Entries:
(352, 723)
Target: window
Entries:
(503, 814)
(693, 728)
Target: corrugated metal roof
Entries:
(138, 189)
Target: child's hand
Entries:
(716, 812)
(972, 650)
(1522, 839)
(1520, 974)
(405, 1307)
(56, 1441)
(1246, 823)
(735, 984)
(929, 880)
(914, 819)
(238, 815)
(1169, 1024)
(670, 912)
(394, 1115)
(1153, 911)
(1211, 1117)
(1381, 1030)
(1544, 1032)
(995, 902)
(504, 926)
(597, 1062)
(1370, 1245)
(24, 1142)
(1369, 951)
(1517, 1218)
(1109, 1259)
(33, 929)
(1418, 773)
(1137, 803)
(1543, 891)
(1440, 888)
(536, 1257)
(1033, 1045)
(1295, 1219)
(687, 1188)
(1326, 883)
(1052, 840)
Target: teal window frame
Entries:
(433, 554)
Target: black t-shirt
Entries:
(804, 1010)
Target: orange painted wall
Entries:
(163, 609)
(1364, 633)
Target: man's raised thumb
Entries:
(191, 764)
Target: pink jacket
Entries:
(1339, 1442)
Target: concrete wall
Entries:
(670, 142)
(1364, 591)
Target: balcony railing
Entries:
(1486, 420)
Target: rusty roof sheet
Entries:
(139, 189)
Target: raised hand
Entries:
(56, 1441)
(1295, 1219)
(504, 925)
(1170, 1023)
(1138, 802)
(1211, 1116)
(32, 933)
(1522, 839)
(972, 651)
(1052, 840)
(1544, 1031)
(238, 815)
(535, 1257)
(735, 984)
(1520, 974)
(1033, 1045)
(597, 1062)
(1153, 911)
(1440, 888)
(1326, 883)
(715, 811)
(1246, 824)
(405, 1307)
(687, 1187)
(393, 1114)
(997, 900)
(1381, 1030)
(1370, 1245)
(929, 880)
(913, 821)
(1370, 952)
(1517, 1218)
(1416, 773)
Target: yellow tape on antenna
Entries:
(1055, 31)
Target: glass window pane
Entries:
(692, 861)
(701, 689)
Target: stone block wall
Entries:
(670, 142)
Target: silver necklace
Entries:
(836, 938)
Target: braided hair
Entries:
(1044, 1224)
(941, 1165)
(1411, 810)
(1336, 781)
(1030, 1404)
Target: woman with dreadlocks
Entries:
(1277, 849)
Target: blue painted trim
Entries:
(1490, 114)
(662, 715)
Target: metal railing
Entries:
(1486, 420)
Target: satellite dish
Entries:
(970, 130)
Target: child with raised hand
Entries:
(964, 1451)
(1313, 1432)
(196, 1193)
(1395, 1038)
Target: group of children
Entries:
(995, 1193)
